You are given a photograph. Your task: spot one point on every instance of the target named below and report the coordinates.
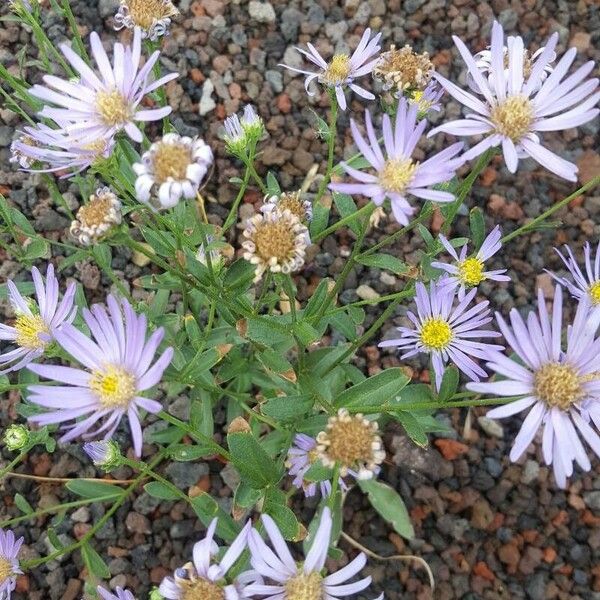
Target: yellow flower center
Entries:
(113, 107)
(350, 441)
(28, 331)
(201, 589)
(114, 387)
(436, 334)
(337, 70)
(170, 161)
(6, 570)
(513, 117)
(292, 201)
(145, 13)
(594, 291)
(95, 212)
(275, 240)
(98, 147)
(397, 174)
(304, 587)
(470, 271)
(558, 385)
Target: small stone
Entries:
(207, 103)
(581, 40)
(137, 523)
(545, 282)
(366, 292)
(81, 515)
(531, 472)
(263, 12)
(491, 427)
(589, 166)
(185, 475)
(451, 449)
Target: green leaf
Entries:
(320, 216)
(388, 503)
(413, 427)
(94, 562)
(186, 452)
(102, 255)
(287, 408)
(250, 459)
(374, 391)
(449, 384)
(157, 489)
(384, 261)
(240, 274)
(207, 509)
(26, 288)
(427, 237)
(246, 496)
(267, 331)
(477, 224)
(341, 323)
(346, 207)
(273, 188)
(23, 505)
(275, 506)
(93, 489)
(37, 248)
(316, 300)
(306, 333)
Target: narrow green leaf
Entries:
(386, 262)
(449, 383)
(23, 505)
(388, 503)
(93, 489)
(94, 562)
(157, 489)
(207, 509)
(477, 224)
(346, 207)
(374, 391)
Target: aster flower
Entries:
(468, 271)
(301, 457)
(397, 174)
(483, 60)
(153, 17)
(173, 168)
(104, 454)
(118, 368)
(58, 150)
(205, 579)
(9, 565)
(446, 331)
(583, 285)
(426, 100)
(304, 581)
(517, 108)
(240, 133)
(37, 321)
(120, 594)
(292, 201)
(275, 241)
(102, 103)
(353, 443)
(560, 387)
(342, 70)
(96, 218)
(403, 70)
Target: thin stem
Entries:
(332, 134)
(367, 208)
(67, 479)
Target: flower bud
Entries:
(16, 437)
(104, 454)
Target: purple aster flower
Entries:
(58, 150)
(517, 108)
(468, 271)
(446, 331)
(342, 70)
(120, 594)
(292, 581)
(583, 285)
(397, 173)
(100, 104)
(301, 457)
(9, 565)
(36, 322)
(119, 368)
(561, 387)
(204, 579)
(427, 99)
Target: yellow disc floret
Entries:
(436, 334)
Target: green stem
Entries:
(332, 134)
(409, 406)
(13, 463)
(233, 212)
(367, 208)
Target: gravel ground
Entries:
(488, 529)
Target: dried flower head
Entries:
(292, 201)
(18, 156)
(172, 168)
(275, 241)
(353, 442)
(97, 217)
(153, 17)
(403, 69)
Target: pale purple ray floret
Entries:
(446, 330)
(119, 367)
(101, 103)
(397, 174)
(560, 387)
(9, 550)
(516, 108)
(285, 577)
(584, 283)
(468, 271)
(342, 70)
(36, 322)
(119, 594)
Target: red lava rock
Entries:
(284, 104)
(549, 554)
(137, 523)
(482, 515)
(581, 41)
(73, 590)
(530, 535)
(561, 518)
(451, 449)
(509, 210)
(482, 570)
(157, 574)
(22, 584)
(437, 220)
(576, 502)
(509, 554)
(42, 465)
(196, 75)
(532, 557)
(220, 111)
(488, 176)
(80, 529)
(589, 166)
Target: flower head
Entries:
(16, 437)
(397, 174)
(118, 369)
(101, 103)
(352, 442)
(469, 271)
(403, 70)
(516, 108)
(204, 580)
(17, 155)
(240, 133)
(120, 594)
(301, 457)
(561, 387)
(275, 241)
(582, 285)
(104, 454)
(304, 581)
(9, 565)
(36, 322)
(153, 17)
(446, 331)
(96, 218)
(426, 100)
(292, 201)
(173, 168)
(342, 70)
